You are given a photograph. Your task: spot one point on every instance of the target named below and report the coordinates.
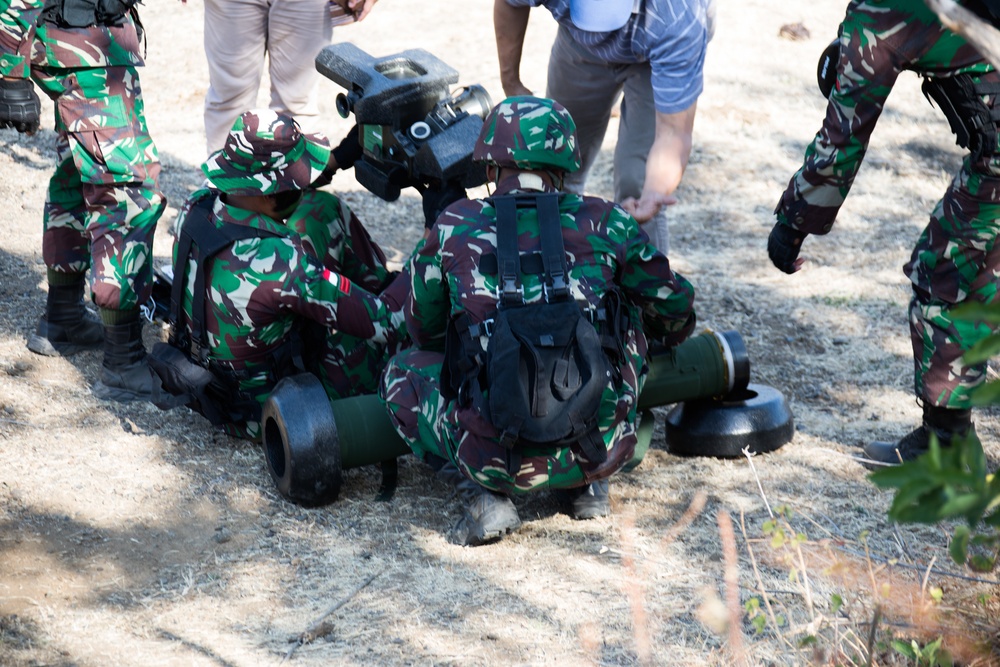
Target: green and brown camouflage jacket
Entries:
(879, 40)
(259, 288)
(605, 251)
(25, 44)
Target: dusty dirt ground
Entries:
(131, 536)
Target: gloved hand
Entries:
(437, 199)
(19, 106)
(348, 151)
(343, 156)
(783, 246)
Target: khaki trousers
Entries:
(238, 35)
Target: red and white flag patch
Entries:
(342, 282)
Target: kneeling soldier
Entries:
(277, 277)
(530, 272)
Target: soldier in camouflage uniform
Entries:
(956, 259)
(103, 201)
(528, 145)
(317, 265)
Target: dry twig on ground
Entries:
(313, 631)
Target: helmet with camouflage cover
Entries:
(529, 133)
(266, 153)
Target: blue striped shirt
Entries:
(672, 35)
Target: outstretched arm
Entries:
(668, 157)
(510, 25)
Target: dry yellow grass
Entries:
(129, 536)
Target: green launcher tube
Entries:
(366, 435)
(704, 366)
(307, 446)
(707, 365)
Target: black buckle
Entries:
(484, 328)
(559, 285)
(508, 439)
(200, 353)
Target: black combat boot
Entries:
(68, 326)
(946, 424)
(588, 502)
(125, 374)
(486, 515)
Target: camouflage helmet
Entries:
(266, 153)
(529, 133)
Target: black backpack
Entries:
(182, 373)
(546, 364)
(972, 120)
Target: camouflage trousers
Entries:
(956, 260)
(103, 201)
(431, 424)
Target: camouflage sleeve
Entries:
(428, 307)
(17, 31)
(364, 261)
(866, 73)
(330, 298)
(666, 298)
(331, 232)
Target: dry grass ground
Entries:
(130, 536)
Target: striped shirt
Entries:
(672, 35)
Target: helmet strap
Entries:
(492, 178)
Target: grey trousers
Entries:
(589, 89)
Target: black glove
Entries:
(783, 246)
(343, 156)
(19, 106)
(349, 150)
(437, 199)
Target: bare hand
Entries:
(516, 89)
(647, 206)
(360, 8)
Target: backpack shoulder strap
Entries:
(200, 231)
(508, 256)
(197, 216)
(553, 250)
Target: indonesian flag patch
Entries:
(342, 282)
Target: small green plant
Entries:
(950, 484)
(953, 483)
(928, 655)
(756, 615)
(822, 631)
